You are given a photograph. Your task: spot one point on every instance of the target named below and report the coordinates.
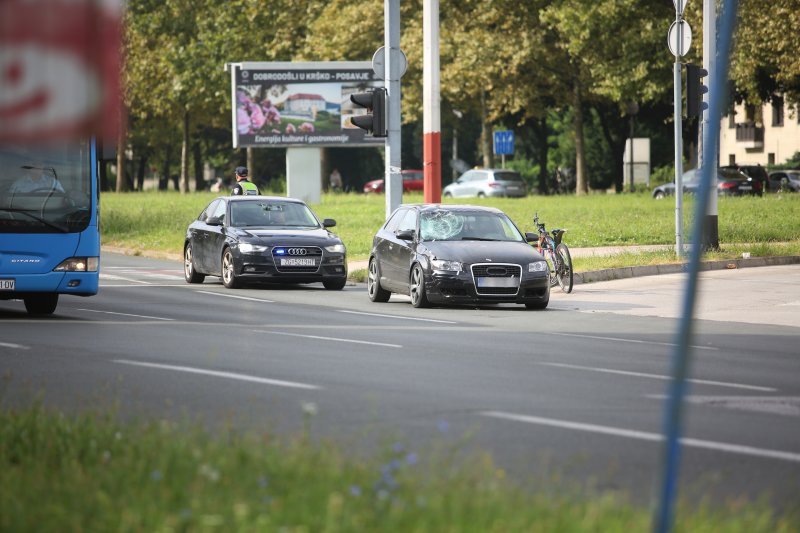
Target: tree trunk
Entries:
(581, 183)
(250, 165)
(616, 143)
(184, 183)
(539, 128)
(199, 182)
(163, 183)
(486, 136)
(120, 161)
(140, 172)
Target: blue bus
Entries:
(49, 232)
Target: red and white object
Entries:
(432, 137)
(59, 69)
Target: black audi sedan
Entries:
(245, 239)
(455, 254)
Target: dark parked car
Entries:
(730, 182)
(784, 180)
(456, 254)
(487, 182)
(757, 172)
(412, 181)
(263, 238)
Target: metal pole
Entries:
(711, 234)
(678, 147)
(392, 162)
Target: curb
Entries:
(592, 276)
(609, 274)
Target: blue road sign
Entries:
(503, 143)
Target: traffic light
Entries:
(695, 90)
(374, 121)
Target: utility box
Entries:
(636, 168)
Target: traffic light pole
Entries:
(678, 144)
(393, 72)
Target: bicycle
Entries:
(556, 253)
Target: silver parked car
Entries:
(487, 182)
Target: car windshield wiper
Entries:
(478, 239)
(36, 218)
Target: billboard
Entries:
(282, 104)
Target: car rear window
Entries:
(507, 176)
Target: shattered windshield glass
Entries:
(446, 225)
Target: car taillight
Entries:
(726, 185)
(494, 184)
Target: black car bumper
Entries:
(462, 288)
(261, 268)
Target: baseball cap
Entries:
(241, 171)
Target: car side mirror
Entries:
(214, 221)
(531, 237)
(328, 223)
(406, 234)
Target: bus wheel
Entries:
(43, 304)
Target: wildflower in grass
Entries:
(209, 473)
(310, 409)
(155, 475)
(355, 490)
(411, 459)
(443, 426)
(263, 482)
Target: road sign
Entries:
(503, 142)
(379, 63)
(679, 49)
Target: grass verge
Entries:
(156, 222)
(91, 472)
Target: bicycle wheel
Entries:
(552, 262)
(564, 269)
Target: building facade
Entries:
(766, 135)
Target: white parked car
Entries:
(482, 182)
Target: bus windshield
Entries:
(45, 189)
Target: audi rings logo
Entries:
(296, 251)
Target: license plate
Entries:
(298, 261)
(745, 187)
(7, 284)
(497, 282)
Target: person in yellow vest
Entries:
(243, 185)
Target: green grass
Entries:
(768, 225)
(94, 473)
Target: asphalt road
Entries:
(575, 392)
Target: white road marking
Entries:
(237, 297)
(398, 317)
(227, 375)
(644, 435)
(336, 339)
(122, 278)
(662, 377)
(15, 346)
(125, 314)
(776, 405)
(634, 341)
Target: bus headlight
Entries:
(78, 264)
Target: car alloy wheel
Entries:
(228, 273)
(374, 289)
(417, 287)
(189, 271)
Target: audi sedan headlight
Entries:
(443, 264)
(247, 248)
(537, 266)
(335, 248)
